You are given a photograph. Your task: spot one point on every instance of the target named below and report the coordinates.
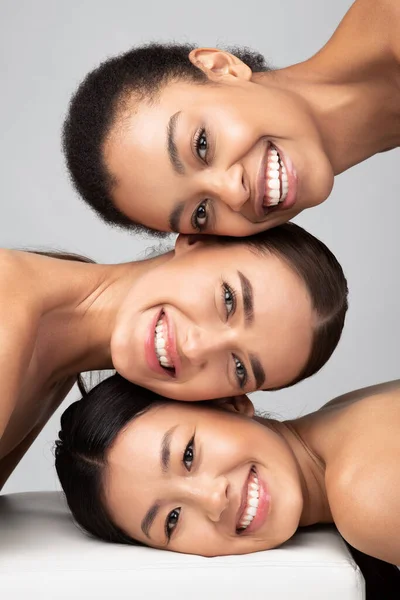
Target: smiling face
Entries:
(198, 480)
(233, 157)
(213, 321)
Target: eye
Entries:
(240, 371)
(171, 522)
(229, 298)
(188, 455)
(201, 145)
(200, 216)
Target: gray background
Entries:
(47, 46)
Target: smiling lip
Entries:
(258, 203)
(264, 505)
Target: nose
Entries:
(200, 344)
(230, 187)
(210, 494)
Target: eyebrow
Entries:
(175, 217)
(165, 456)
(165, 453)
(258, 371)
(172, 148)
(148, 519)
(248, 306)
(248, 298)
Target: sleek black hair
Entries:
(89, 427)
(95, 106)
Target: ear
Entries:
(187, 242)
(237, 404)
(217, 64)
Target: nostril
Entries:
(227, 489)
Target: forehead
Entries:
(134, 460)
(144, 434)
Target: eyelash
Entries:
(200, 133)
(196, 217)
(177, 511)
(228, 291)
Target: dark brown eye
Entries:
(188, 457)
(200, 216)
(172, 521)
(202, 145)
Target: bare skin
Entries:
(324, 115)
(61, 318)
(338, 464)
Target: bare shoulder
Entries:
(14, 266)
(389, 390)
(363, 478)
(19, 289)
(9, 261)
(367, 36)
(364, 498)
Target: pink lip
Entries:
(263, 509)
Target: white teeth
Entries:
(274, 184)
(253, 492)
(277, 182)
(160, 344)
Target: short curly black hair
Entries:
(93, 109)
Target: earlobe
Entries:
(244, 405)
(237, 404)
(183, 243)
(186, 242)
(217, 64)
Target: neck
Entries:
(311, 471)
(75, 334)
(356, 117)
